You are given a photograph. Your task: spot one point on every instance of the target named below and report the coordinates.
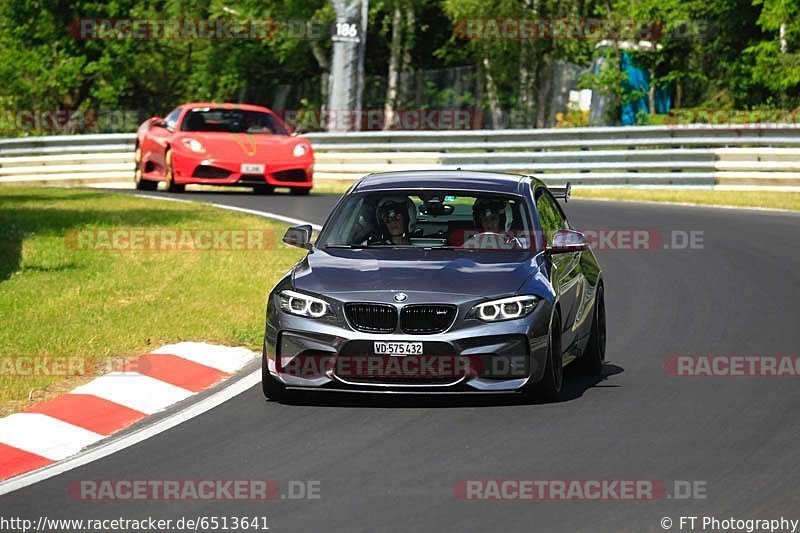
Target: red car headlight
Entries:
(300, 150)
(194, 145)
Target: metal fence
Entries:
(651, 155)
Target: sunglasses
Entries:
(392, 215)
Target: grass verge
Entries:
(64, 293)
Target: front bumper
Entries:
(206, 170)
(476, 356)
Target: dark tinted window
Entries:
(551, 217)
(231, 121)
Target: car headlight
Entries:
(300, 150)
(504, 309)
(303, 304)
(193, 145)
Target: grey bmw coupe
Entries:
(437, 281)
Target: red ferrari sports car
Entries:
(222, 144)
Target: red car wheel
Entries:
(169, 174)
(141, 183)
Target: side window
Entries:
(172, 118)
(275, 126)
(550, 215)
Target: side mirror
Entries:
(158, 123)
(568, 241)
(299, 236)
(299, 131)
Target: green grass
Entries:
(331, 186)
(767, 199)
(56, 300)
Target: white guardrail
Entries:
(761, 154)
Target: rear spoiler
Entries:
(562, 193)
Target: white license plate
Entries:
(252, 169)
(398, 348)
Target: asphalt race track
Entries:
(388, 464)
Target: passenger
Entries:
(393, 217)
(489, 215)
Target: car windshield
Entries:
(231, 121)
(430, 219)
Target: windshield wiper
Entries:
(374, 246)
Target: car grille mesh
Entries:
(423, 319)
(208, 171)
(427, 319)
(372, 318)
(296, 174)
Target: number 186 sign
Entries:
(345, 31)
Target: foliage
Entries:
(734, 54)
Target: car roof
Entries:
(226, 105)
(464, 180)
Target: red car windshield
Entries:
(232, 121)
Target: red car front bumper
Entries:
(201, 169)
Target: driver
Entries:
(489, 215)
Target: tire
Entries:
(169, 174)
(299, 192)
(549, 388)
(591, 361)
(273, 389)
(141, 183)
(263, 189)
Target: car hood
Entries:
(256, 146)
(473, 273)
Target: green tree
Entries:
(777, 58)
